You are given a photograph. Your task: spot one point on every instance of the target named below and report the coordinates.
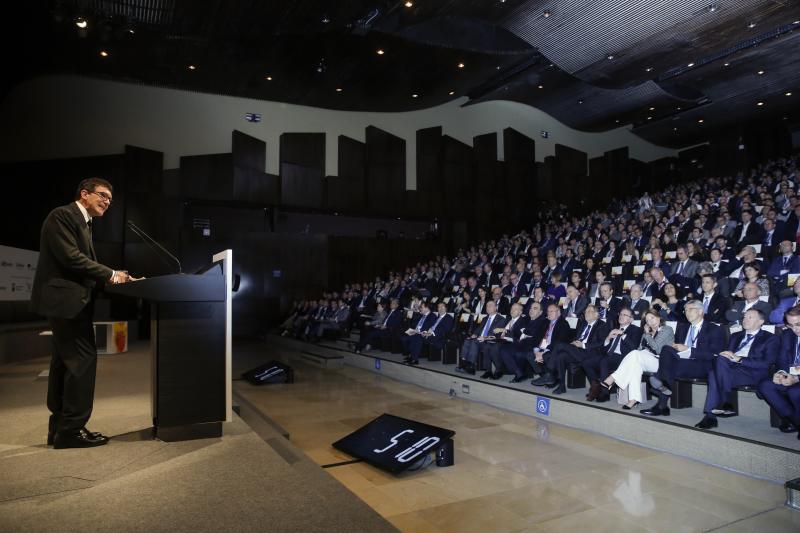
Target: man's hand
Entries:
(120, 276)
(728, 355)
(680, 347)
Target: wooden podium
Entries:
(190, 344)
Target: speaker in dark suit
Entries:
(66, 277)
(592, 334)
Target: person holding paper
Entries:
(699, 340)
(782, 392)
(63, 291)
(434, 335)
(747, 360)
(481, 340)
(784, 264)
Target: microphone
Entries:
(160, 251)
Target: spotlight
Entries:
(609, 56)
(788, 94)
(700, 121)
(580, 101)
(540, 86)
(268, 78)
(546, 13)
(652, 109)
(451, 93)
(415, 95)
(339, 89)
(325, 19)
(712, 7)
(103, 53)
(616, 121)
(649, 69)
(649, 118)
(192, 67)
(81, 22)
(690, 65)
(380, 51)
(409, 4)
(727, 65)
(751, 25)
(760, 73)
(760, 104)
(461, 65)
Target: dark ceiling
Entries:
(661, 65)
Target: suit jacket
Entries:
(561, 333)
(787, 352)
(763, 350)
(517, 328)
(663, 265)
(631, 340)
(427, 324)
(710, 340)
(663, 337)
(754, 235)
(597, 337)
(689, 269)
(775, 267)
(441, 330)
(639, 309)
(68, 270)
(717, 307)
(498, 322)
(736, 313)
(776, 316)
(394, 320)
(581, 302)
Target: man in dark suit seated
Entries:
(412, 338)
(715, 305)
(502, 303)
(390, 327)
(635, 303)
(747, 360)
(556, 332)
(751, 293)
(748, 232)
(782, 392)
(515, 354)
(777, 314)
(617, 344)
(63, 288)
(592, 333)
(781, 266)
(481, 340)
(336, 322)
(690, 358)
(507, 336)
(684, 269)
(434, 335)
(607, 306)
(657, 261)
(574, 304)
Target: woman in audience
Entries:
(478, 305)
(556, 290)
(752, 274)
(628, 375)
(695, 252)
(671, 308)
(630, 249)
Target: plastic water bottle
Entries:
(453, 390)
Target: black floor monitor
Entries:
(393, 443)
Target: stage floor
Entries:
(512, 472)
(244, 481)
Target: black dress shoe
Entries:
(707, 422)
(561, 389)
(94, 434)
(413, 362)
(487, 374)
(81, 439)
(603, 395)
(496, 376)
(656, 411)
(629, 407)
(517, 380)
(786, 427)
(544, 380)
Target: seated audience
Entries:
(617, 344)
(782, 392)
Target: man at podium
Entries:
(63, 291)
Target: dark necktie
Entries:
(797, 354)
(586, 332)
(745, 341)
(89, 225)
(616, 342)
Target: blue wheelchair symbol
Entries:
(377, 364)
(543, 406)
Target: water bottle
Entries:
(453, 390)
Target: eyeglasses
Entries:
(103, 196)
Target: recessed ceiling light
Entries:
(81, 23)
(760, 103)
(325, 19)
(380, 51)
(609, 56)
(268, 78)
(649, 118)
(652, 109)
(700, 121)
(451, 93)
(546, 13)
(616, 121)
(674, 129)
(540, 86)
(679, 108)
(103, 53)
(192, 67)
(760, 73)
(727, 65)
(649, 69)
(789, 94)
(751, 25)
(712, 7)
(580, 101)
(461, 65)
(338, 89)
(690, 65)
(796, 22)
(415, 95)
(409, 4)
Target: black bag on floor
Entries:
(272, 372)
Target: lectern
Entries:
(190, 345)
